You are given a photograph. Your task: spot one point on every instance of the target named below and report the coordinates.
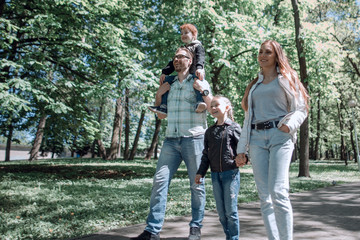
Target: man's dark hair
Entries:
(191, 55)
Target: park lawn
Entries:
(67, 198)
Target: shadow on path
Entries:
(331, 213)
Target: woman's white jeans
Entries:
(270, 152)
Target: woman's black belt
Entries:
(265, 125)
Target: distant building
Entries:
(21, 152)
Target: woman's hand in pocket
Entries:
(284, 128)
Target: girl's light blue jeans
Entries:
(175, 150)
(270, 153)
(226, 186)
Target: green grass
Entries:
(61, 199)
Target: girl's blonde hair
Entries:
(230, 112)
(286, 70)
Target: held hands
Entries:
(240, 160)
(198, 179)
(200, 73)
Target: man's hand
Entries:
(162, 78)
(240, 160)
(198, 85)
(200, 73)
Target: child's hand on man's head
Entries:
(200, 73)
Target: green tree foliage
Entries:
(72, 60)
(59, 55)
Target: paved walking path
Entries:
(331, 213)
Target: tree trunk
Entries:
(304, 150)
(317, 140)
(8, 142)
(342, 140)
(99, 121)
(2, 7)
(120, 133)
(127, 125)
(93, 149)
(351, 127)
(156, 150)
(73, 147)
(116, 129)
(354, 65)
(102, 149)
(154, 140)
(137, 136)
(38, 138)
(304, 129)
(312, 140)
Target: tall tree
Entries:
(154, 141)
(137, 136)
(127, 126)
(39, 136)
(116, 129)
(304, 129)
(92, 43)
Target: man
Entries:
(184, 141)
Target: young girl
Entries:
(219, 153)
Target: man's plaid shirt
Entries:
(183, 121)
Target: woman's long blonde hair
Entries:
(286, 70)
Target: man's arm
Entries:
(201, 86)
(162, 89)
(207, 100)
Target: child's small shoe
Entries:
(162, 111)
(157, 109)
(201, 106)
(153, 108)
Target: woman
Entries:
(275, 104)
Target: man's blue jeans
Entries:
(226, 186)
(175, 150)
(270, 154)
